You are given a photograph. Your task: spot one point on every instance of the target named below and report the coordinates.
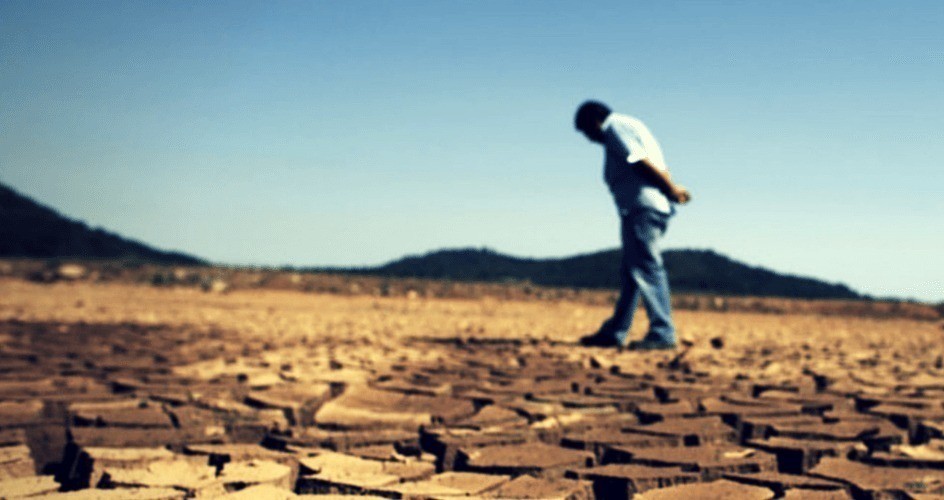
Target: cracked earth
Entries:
(122, 391)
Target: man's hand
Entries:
(663, 180)
(680, 194)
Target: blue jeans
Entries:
(642, 274)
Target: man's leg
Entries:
(649, 274)
(615, 330)
(622, 319)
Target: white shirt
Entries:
(627, 141)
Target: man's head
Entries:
(590, 115)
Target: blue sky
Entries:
(348, 133)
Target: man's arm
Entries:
(632, 138)
(663, 181)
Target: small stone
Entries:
(877, 481)
(16, 462)
(298, 402)
(711, 462)
(222, 456)
(261, 491)
(448, 484)
(536, 459)
(86, 465)
(778, 481)
(625, 480)
(117, 494)
(185, 475)
(331, 472)
(709, 491)
(215, 286)
(543, 488)
(28, 486)
(366, 408)
(239, 475)
(71, 272)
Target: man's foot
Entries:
(599, 340)
(651, 345)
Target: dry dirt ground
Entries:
(123, 391)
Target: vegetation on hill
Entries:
(28, 229)
(691, 271)
(31, 230)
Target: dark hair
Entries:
(590, 114)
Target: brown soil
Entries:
(163, 392)
(226, 279)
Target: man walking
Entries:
(645, 195)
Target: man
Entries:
(645, 195)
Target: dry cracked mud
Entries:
(119, 391)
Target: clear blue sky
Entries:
(350, 132)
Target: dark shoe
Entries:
(651, 345)
(598, 340)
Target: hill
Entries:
(31, 230)
(690, 271)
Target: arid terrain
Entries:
(131, 389)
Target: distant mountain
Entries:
(692, 271)
(28, 229)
